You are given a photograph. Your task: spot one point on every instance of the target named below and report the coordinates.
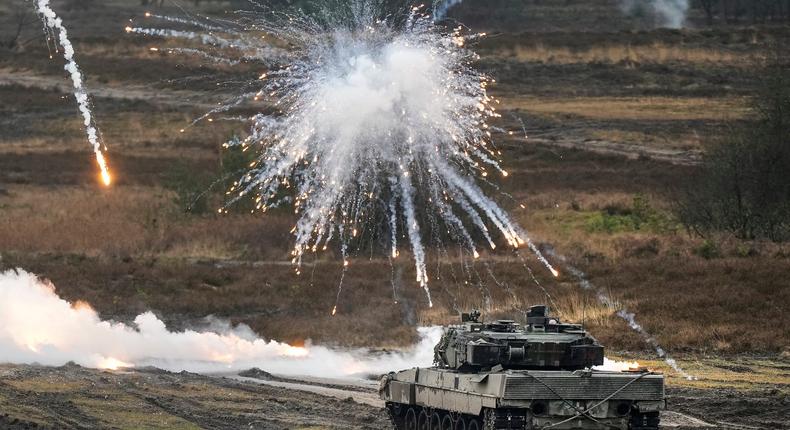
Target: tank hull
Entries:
(429, 398)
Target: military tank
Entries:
(502, 375)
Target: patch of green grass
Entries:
(639, 216)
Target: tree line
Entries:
(743, 11)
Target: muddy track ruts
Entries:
(59, 410)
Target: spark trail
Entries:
(380, 117)
(55, 24)
(628, 317)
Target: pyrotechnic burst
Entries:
(381, 123)
(54, 26)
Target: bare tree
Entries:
(743, 187)
(21, 17)
(709, 7)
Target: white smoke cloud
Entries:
(441, 8)
(670, 13)
(37, 326)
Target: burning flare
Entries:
(54, 24)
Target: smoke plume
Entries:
(441, 8)
(667, 13)
(37, 326)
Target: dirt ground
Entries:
(72, 397)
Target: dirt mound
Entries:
(257, 374)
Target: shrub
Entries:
(708, 250)
(191, 188)
(640, 216)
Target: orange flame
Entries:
(110, 363)
(105, 170)
(80, 305)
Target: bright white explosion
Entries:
(381, 127)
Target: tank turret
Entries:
(544, 344)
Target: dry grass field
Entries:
(616, 116)
(131, 248)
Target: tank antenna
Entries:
(584, 310)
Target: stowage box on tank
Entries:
(501, 375)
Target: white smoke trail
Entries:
(55, 24)
(628, 317)
(191, 22)
(36, 326)
(671, 13)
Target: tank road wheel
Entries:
(410, 423)
(447, 423)
(644, 421)
(436, 421)
(396, 412)
(474, 424)
(460, 423)
(422, 420)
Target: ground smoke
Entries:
(36, 326)
(668, 13)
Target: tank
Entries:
(502, 375)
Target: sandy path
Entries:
(125, 92)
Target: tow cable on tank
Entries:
(586, 412)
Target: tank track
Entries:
(492, 419)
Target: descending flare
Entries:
(55, 24)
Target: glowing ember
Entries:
(105, 171)
(112, 364)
